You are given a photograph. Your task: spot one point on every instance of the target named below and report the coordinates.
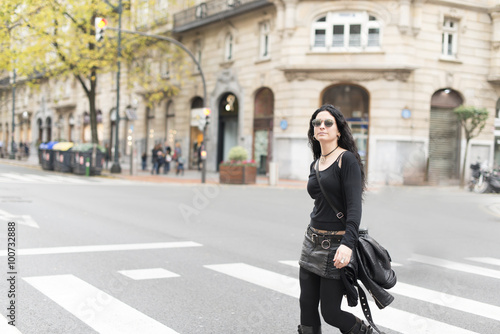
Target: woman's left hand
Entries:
(342, 256)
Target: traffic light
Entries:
(100, 26)
(207, 112)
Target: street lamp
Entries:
(115, 168)
(12, 144)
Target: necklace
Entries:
(323, 156)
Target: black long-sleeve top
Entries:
(344, 187)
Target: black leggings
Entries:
(314, 289)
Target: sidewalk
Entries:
(189, 176)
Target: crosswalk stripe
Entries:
(439, 298)
(291, 263)
(391, 318)
(17, 177)
(5, 328)
(102, 248)
(97, 309)
(447, 300)
(34, 178)
(486, 260)
(152, 273)
(456, 266)
(59, 179)
(268, 279)
(6, 180)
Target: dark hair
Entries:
(346, 140)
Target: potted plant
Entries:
(238, 170)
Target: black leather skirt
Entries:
(318, 251)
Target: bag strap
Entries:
(365, 307)
(362, 295)
(338, 213)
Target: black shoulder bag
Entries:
(373, 265)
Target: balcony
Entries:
(214, 11)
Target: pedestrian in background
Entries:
(178, 159)
(144, 158)
(168, 158)
(107, 155)
(161, 159)
(154, 159)
(343, 179)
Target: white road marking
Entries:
(153, 273)
(440, 298)
(99, 310)
(486, 260)
(103, 248)
(60, 179)
(291, 263)
(265, 278)
(5, 328)
(447, 300)
(467, 268)
(19, 219)
(389, 317)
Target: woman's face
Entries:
(325, 127)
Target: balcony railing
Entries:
(212, 11)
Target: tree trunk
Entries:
(93, 112)
(462, 177)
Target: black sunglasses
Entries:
(317, 122)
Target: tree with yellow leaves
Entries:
(49, 38)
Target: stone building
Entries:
(395, 68)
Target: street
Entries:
(112, 255)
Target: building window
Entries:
(264, 40)
(450, 37)
(346, 31)
(228, 55)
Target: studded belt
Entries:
(325, 240)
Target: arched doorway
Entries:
(263, 129)
(228, 125)
(353, 101)
(196, 132)
(444, 138)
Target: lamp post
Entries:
(115, 168)
(12, 144)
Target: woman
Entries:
(343, 179)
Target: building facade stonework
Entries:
(396, 69)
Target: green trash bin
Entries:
(63, 157)
(86, 160)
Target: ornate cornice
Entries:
(400, 73)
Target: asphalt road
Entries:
(101, 255)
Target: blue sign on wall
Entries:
(284, 124)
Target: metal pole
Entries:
(115, 168)
(179, 44)
(12, 145)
